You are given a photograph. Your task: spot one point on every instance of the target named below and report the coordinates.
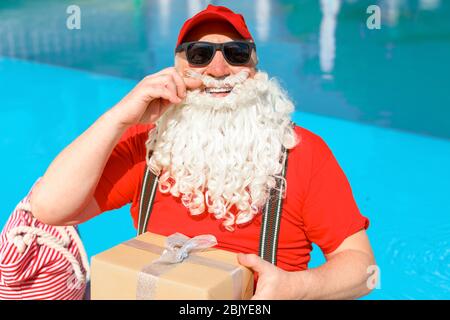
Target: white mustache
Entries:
(229, 81)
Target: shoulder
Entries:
(138, 131)
(310, 144)
(132, 143)
(309, 155)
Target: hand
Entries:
(273, 282)
(152, 96)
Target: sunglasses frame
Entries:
(216, 46)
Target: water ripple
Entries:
(424, 259)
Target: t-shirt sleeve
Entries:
(330, 213)
(117, 183)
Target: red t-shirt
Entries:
(319, 206)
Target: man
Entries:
(213, 129)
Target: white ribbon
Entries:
(178, 246)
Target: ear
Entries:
(254, 59)
(179, 60)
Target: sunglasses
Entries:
(201, 53)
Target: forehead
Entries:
(213, 31)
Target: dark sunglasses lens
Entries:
(237, 52)
(199, 53)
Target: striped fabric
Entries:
(48, 264)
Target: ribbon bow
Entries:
(178, 246)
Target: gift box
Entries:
(155, 267)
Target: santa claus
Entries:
(217, 134)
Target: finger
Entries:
(165, 104)
(169, 95)
(163, 71)
(192, 83)
(254, 262)
(164, 93)
(257, 296)
(173, 81)
(159, 88)
(188, 83)
(181, 86)
(170, 84)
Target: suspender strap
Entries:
(148, 193)
(271, 218)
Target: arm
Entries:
(68, 185)
(64, 195)
(343, 276)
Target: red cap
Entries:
(216, 13)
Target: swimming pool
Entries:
(387, 124)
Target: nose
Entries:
(218, 67)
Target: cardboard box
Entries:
(128, 271)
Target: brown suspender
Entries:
(271, 217)
(270, 226)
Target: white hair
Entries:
(217, 153)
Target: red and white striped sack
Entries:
(40, 261)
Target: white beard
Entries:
(220, 152)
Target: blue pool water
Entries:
(379, 102)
